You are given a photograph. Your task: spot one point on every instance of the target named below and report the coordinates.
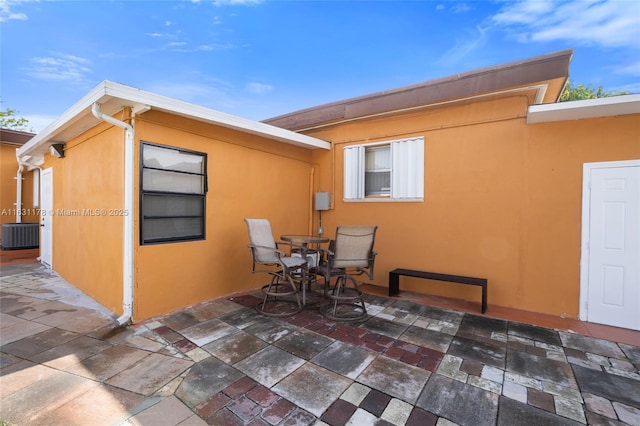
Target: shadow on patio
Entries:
(222, 363)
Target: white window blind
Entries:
(364, 166)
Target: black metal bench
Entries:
(394, 281)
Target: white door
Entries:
(46, 216)
(611, 245)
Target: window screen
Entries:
(377, 171)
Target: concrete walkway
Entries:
(64, 362)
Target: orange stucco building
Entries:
(499, 168)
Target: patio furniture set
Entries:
(302, 262)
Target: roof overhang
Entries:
(15, 137)
(546, 75)
(590, 108)
(114, 97)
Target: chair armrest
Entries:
(324, 255)
(278, 251)
(369, 269)
(291, 246)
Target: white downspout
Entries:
(19, 190)
(127, 267)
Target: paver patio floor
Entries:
(63, 362)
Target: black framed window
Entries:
(173, 188)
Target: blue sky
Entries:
(259, 59)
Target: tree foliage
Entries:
(581, 92)
(9, 120)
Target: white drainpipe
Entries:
(127, 269)
(19, 192)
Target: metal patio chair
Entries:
(350, 254)
(268, 258)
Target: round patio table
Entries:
(303, 241)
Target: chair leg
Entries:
(273, 290)
(348, 297)
(297, 293)
(359, 292)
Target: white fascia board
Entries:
(174, 106)
(129, 96)
(590, 108)
(45, 137)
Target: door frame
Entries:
(586, 226)
(46, 211)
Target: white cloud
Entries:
(258, 88)
(608, 23)
(176, 44)
(196, 91)
(60, 67)
(455, 7)
(236, 2)
(632, 68)
(6, 14)
(184, 47)
(465, 44)
(39, 122)
(460, 8)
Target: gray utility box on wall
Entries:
(323, 201)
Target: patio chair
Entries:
(268, 258)
(350, 254)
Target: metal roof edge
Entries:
(186, 109)
(589, 108)
(521, 73)
(130, 96)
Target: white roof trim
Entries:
(120, 96)
(590, 108)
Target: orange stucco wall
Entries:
(502, 199)
(551, 248)
(8, 171)
(248, 176)
(87, 239)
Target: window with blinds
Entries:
(173, 186)
(393, 170)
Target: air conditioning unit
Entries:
(16, 236)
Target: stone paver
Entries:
(269, 365)
(205, 379)
(395, 378)
(513, 412)
(344, 359)
(149, 374)
(168, 411)
(313, 388)
(459, 402)
(63, 361)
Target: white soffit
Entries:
(113, 97)
(590, 108)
